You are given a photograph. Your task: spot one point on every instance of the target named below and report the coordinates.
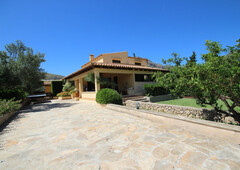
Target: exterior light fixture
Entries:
(137, 105)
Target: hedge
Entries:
(155, 90)
(56, 87)
(105, 96)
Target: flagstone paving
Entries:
(83, 135)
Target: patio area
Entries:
(83, 135)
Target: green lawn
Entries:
(188, 102)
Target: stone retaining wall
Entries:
(184, 111)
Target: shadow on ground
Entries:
(39, 107)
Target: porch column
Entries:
(97, 85)
(75, 83)
(80, 87)
(133, 80)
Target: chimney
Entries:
(91, 57)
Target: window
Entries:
(116, 61)
(143, 78)
(137, 63)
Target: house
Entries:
(128, 74)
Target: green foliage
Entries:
(155, 90)
(105, 96)
(175, 59)
(193, 59)
(73, 91)
(68, 86)
(101, 80)
(106, 82)
(63, 94)
(90, 78)
(56, 87)
(7, 106)
(20, 68)
(18, 94)
(41, 89)
(218, 77)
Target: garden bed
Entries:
(7, 116)
(65, 98)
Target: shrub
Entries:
(105, 96)
(17, 94)
(155, 90)
(73, 91)
(68, 86)
(7, 106)
(63, 94)
(56, 87)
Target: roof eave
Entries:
(92, 65)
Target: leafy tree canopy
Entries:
(20, 67)
(218, 77)
(192, 58)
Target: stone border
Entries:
(203, 127)
(5, 117)
(65, 98)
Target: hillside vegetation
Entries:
(49, 76)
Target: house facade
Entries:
(125, 74)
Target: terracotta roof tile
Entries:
(113, 65)
(128, 66)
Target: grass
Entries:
(189, 102)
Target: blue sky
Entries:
(68, 31)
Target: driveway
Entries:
(83, 135)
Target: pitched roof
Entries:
(117, 65)
(113, 66)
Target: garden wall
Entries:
(184, 111)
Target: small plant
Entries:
(73, 91)
(7, 106)
(67, 87)
(106, 82)
(63, 94)
(105, 96)
(90, 78)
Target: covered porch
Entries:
(123, 83)
(127, 81)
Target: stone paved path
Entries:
(83, 135)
